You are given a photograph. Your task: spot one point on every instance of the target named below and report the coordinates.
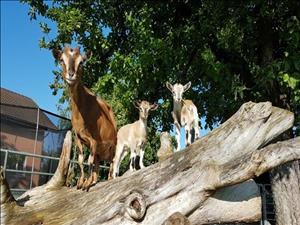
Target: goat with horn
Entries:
(92, 118)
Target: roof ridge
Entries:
(23, 96)
(26, 109)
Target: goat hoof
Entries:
(80, 183)
(87, 184)
(91, 185)
(84, 187)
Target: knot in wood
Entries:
(135, 206)
(256, 157)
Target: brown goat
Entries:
(92, 118)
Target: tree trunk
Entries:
(286, 193)
(286, 178)
(201, 185)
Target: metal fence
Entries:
(19, 173)
(268, 210)
(31, 143)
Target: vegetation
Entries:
(231, 51)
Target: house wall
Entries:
(21, 138)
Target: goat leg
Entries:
(196, 131)
(132, 166)
(188, 136)
(142, 152)
(177, 133)
(89, 181)
(111, 173)
(80, 163)
(96, 170)
(115, 165)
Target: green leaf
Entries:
(286, 77)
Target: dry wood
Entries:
(241, 202)
(192, 182)
(177, 219)
(6, 196)
(286, 193)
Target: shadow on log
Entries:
(200, 185)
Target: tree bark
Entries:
(200, 185)
(286, 193)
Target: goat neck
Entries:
(177, 107)
(76, 91)
(143, 122)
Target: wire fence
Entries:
(268, 210)
(31, 142)
(18, 175)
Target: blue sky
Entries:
(25, 68)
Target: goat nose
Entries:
(71, 73)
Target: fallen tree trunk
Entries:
(192, 183)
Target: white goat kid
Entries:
(133, 136)
(184, 113)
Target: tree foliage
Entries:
(231, 51)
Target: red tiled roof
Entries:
(22, 108)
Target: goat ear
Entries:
(187, 86)
(169, 86)
(137, 104)
(154, 106)
(56, 54)
(86, 56)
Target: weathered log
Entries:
(190, 183)
(240, 202)
(286, 193)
